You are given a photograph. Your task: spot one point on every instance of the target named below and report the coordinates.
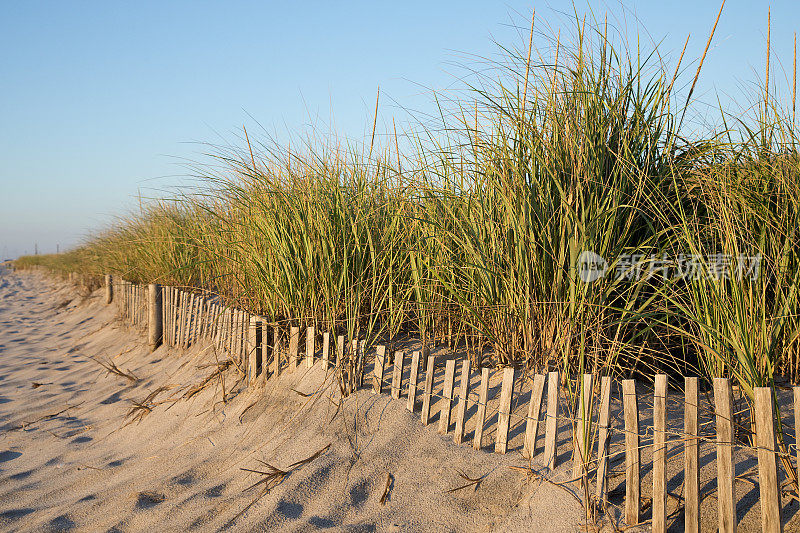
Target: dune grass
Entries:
(473, 236)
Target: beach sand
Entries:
(72, 457)
(69, 458)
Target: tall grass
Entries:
(473, 237)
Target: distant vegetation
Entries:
(473, 236)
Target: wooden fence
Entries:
(263, 350)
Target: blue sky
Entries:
(101, 101)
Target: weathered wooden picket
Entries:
(263, 349)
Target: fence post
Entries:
(413, 376)
(254, 340)
(463, 396)
(551, 425)
(155, 320)
(660, 455)
(583, 450)
(796, 391)
(339, 349)
(397, 373)
(534, 410)
(362, 348)
(604, 432)
(311, 348)
(504, 412)
(326, 350)
(294, 341)
(426, 395)
(277, 352)
(447, 396)
(723, 406)
(632, 452)
(266, 349)
(109, 289)
(480, 416)
(691, 456)
(767, 467)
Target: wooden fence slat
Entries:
(235, 335)
(173, 327)
(796, 391)
(583, 451)
(691, 456)
(227, 325)
(632, 453)
(244, 321)
(413, 375)
(253, 350)
(340, 349)
(165, 314)
(185, 297)
(397, 372)
(767, 465)
(723, 406)
(198, 315)
(504, 411)
(426, 395)
(266, 349)
(551, 424)
(217, 327)
(180, 315)
(480, 416)
(311, 341)
(277, 349)
(165, 300)
(203, 317)
(660, 455)
(360, 363)
(378, 369)
(194, 315)
(463, 396)
(534, 411)
(109, 288)
(603, 433)
(326, 350)
(294, 342)
(447, 396)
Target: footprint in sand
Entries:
(147, 500)
(62, 523)
(289, 509)
(21, 475)
(15, 514)
(8, 455)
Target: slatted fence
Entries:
(428, 382)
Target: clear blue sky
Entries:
(101, 100)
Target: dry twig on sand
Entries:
(47, 416)
(471, 482)
(388, 488)
(112, 368)
(143, 408)
(272, 477)
(221, 367)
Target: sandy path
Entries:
(68, 461)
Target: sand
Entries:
(71, 458)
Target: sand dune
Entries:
(70, 459)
